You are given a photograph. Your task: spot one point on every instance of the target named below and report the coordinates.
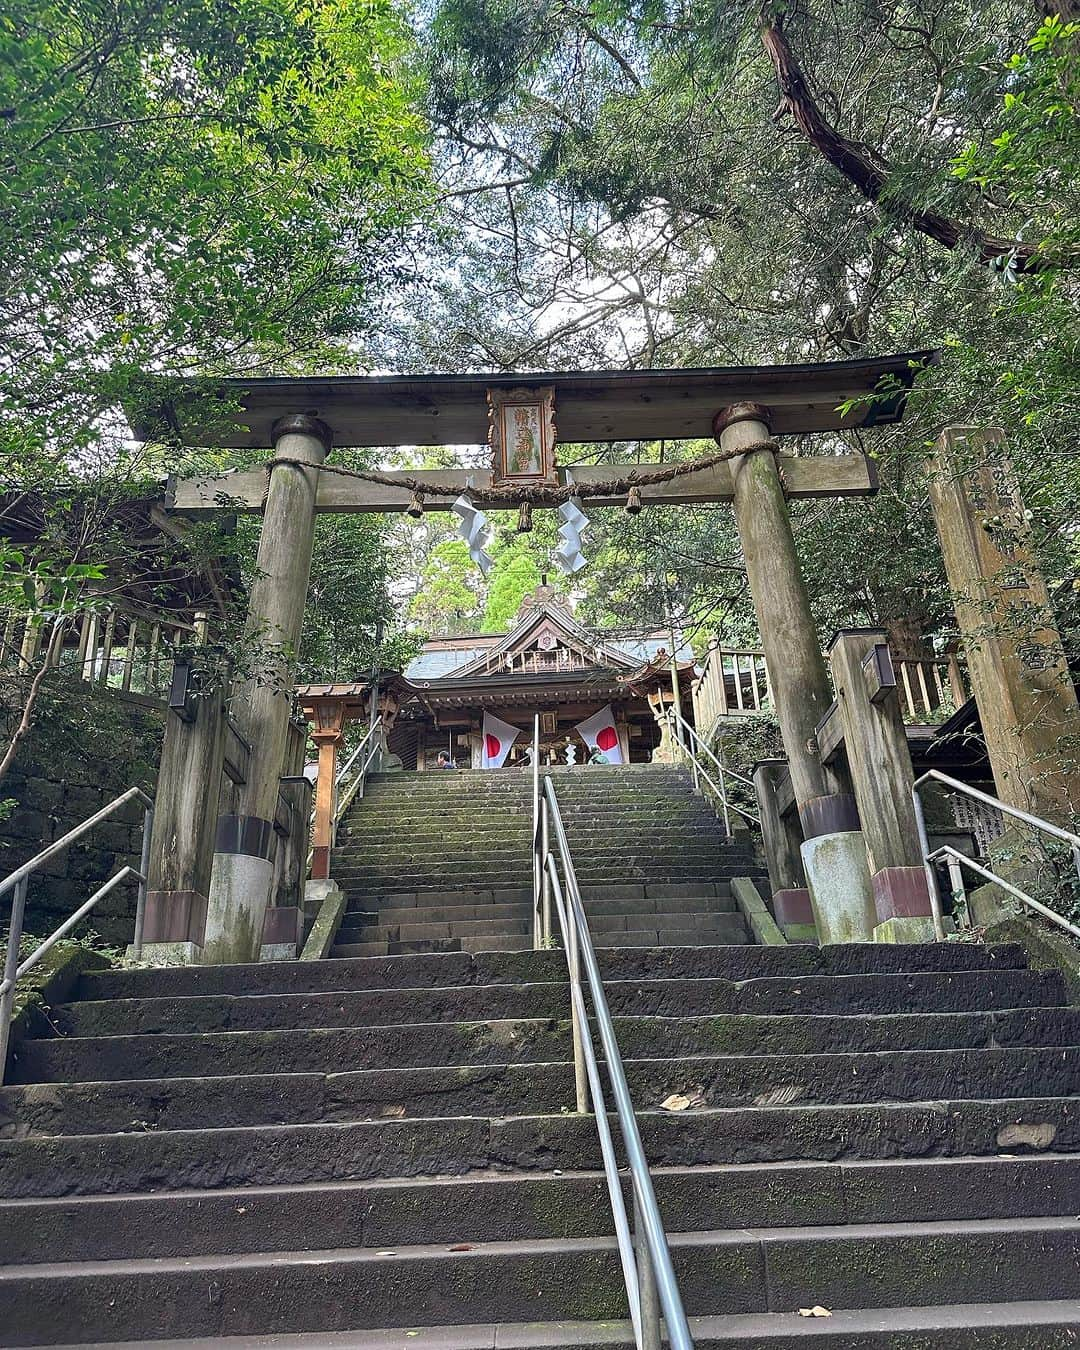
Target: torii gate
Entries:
(301, 418)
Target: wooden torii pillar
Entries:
(743, 406)
(834, 851)
(242, 874)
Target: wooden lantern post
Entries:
(327, 733)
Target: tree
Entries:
(623, 181)
(516, 574)
(187, 188)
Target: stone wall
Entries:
(87, 745)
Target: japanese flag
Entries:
(598, 732)
(498, 738)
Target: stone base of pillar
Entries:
(909, 930)
(240, 889)
(792, 906)
(838, 879)
(901, 893)
(165, 954)
(174, 917)
(281, 933)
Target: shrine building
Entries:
(548, 664)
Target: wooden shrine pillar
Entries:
(243, 871)
(879, 761)
(833, 852)
(186, 808)
(283, 928)
(781, 837)
(1016, 662)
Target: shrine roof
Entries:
(590, 406)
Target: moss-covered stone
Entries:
(1046, 949)
(52, 980)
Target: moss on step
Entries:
(1046, 948)
(51, 981)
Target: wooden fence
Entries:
(118, 647)
(734, 683)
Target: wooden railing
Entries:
(733, 683)
(930, 690)
(120, 648)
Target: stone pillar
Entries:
(243, 859)
(186, 808)
(797, 675)
(1016, 663)
(879, 761)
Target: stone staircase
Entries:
(381, 1153)
(441, 861)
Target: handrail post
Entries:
(928, 866)
(648, 1298)
(538, 855)
(144, 873)
(573, 961)
(545, 879)
(959, 890)
(11, 966)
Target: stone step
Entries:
(602, 914)
(657, 890)
(648, 929)
(414, 932)
(964, 991)
(387, 838)
(731, 963)
(200, 1160)
(473, 862)
(459, 876)
(1027, 1325)
(479, 1081)
(475, 820)
(478, 943)
(492, 1207)
(719, 1272)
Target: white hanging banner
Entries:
(499, 736)
(568, 555)
(474, 529)
(598, 732)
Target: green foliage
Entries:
(1033, 157)
(626, 192)
(447, 599)
(515, 575)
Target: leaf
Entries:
(816, 1311)
(780, 1096)
(676, 1102)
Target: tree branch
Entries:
(868, 172)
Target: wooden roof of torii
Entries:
(591, 406)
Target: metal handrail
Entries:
(19, 881)
(648, 1272)
(957, 861)
(356, 786)
(698, 770)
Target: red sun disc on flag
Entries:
(606, 738)
(492, 746)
